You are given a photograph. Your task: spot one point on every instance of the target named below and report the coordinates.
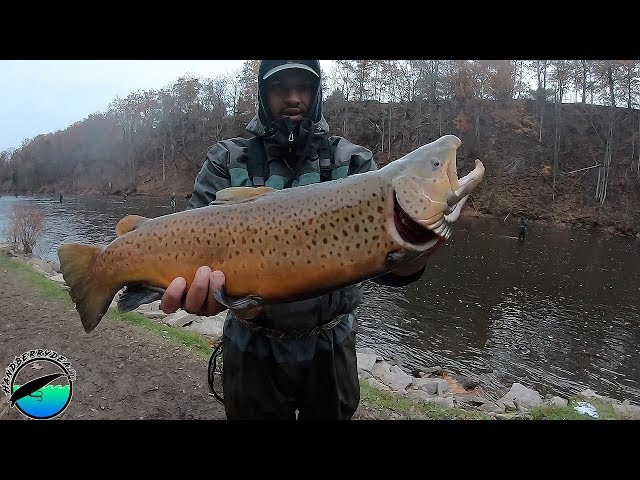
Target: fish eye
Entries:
(436, 164)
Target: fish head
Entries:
(428, 195)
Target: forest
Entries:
(560, 139)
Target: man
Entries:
(297, 356)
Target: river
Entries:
(557, 313)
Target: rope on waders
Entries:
(211, 372)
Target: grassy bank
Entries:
(375, 403)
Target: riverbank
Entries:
(583, 219)
(36, 305)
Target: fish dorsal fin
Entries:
(239, 194)
(129, 223)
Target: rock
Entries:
(179, 318)
(58, 279)
(434, 371)
(420, 395)
(557, 401)
(396, 380)
(152, 314)
(211, 326)
(148, 307)
(466, 382)
(427, 398)
(491, 407)
(41, 266)
(526, 397)
(366, 361)
(374, 382)
(627, 410)
(433, 386)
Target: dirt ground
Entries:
(123, 372)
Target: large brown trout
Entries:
(279, 245)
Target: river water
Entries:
(557, 313)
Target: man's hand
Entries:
(199, 299)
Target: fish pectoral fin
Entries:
(239, 194)
(129, 223)
(245, 307)
(138, 294)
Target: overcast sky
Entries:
(44, 96)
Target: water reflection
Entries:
(557, 313)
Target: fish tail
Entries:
(91, 295)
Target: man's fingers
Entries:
(216, 281)
(172, 298)
(197, 294)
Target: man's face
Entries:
(290, 93)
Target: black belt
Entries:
(290, 333)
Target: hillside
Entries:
(504, 135)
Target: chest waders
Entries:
(258, 173)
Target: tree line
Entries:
(174, 126)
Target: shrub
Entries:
(26, 227)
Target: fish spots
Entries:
(345, 233)
(276, 238)
(323, 227)
(335, 237)
(356, 228)
(370, 218)
(325, 241)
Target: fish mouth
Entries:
(409, 230)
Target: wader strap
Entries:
(292, 333)
(258, 167)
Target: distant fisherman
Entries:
(60, 198)
(173, 202)
(522, 229)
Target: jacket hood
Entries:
(270, 67)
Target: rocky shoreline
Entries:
(430, 385)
